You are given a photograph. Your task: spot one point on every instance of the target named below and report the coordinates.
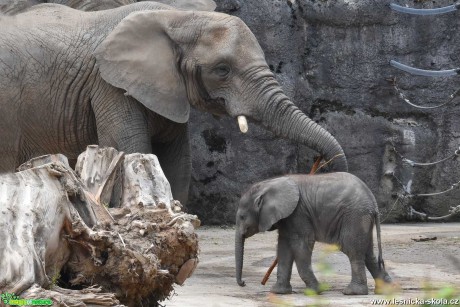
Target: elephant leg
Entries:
(358, 284)
(10, 145)
(9, 161)
(302, 247)
(285, 262)
(175, 160)
(355, 244)
(121, 121)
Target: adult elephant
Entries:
(11, 7)
(126, 78)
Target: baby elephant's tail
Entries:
(379, 241)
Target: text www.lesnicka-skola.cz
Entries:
(416, 301)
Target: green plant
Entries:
(447, 295)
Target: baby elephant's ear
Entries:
(279, 198)
(140, 57)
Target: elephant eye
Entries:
(222, 70)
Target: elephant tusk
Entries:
(243, 123)
(427, 73)
(436, 11)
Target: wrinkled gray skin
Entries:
(11, 7)
(126, 78)
(335, 208)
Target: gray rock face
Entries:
(331, 57)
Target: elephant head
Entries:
(169, 59)
(260, 208)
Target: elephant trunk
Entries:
(283, 118)
(239, 253)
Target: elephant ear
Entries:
(141, 58)
(277, 201)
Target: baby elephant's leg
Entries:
(356, 239)
(302, 247)
(358, 284)
(285, 261)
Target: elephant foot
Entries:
(279, 288)
(355, 289)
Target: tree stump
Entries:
(59, 240)
(98, 167)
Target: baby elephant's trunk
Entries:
(239, 254)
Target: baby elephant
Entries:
(335, 208)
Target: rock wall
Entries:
(331, 57)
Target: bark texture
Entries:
(59, 239)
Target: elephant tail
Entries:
(379, 241)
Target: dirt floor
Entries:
(413, 265)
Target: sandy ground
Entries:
(411, 264)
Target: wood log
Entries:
(34, 206)
(42, 160)
(144, 182)
(140, 177)
(55, 231)
(99, 168)
(73, 298)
